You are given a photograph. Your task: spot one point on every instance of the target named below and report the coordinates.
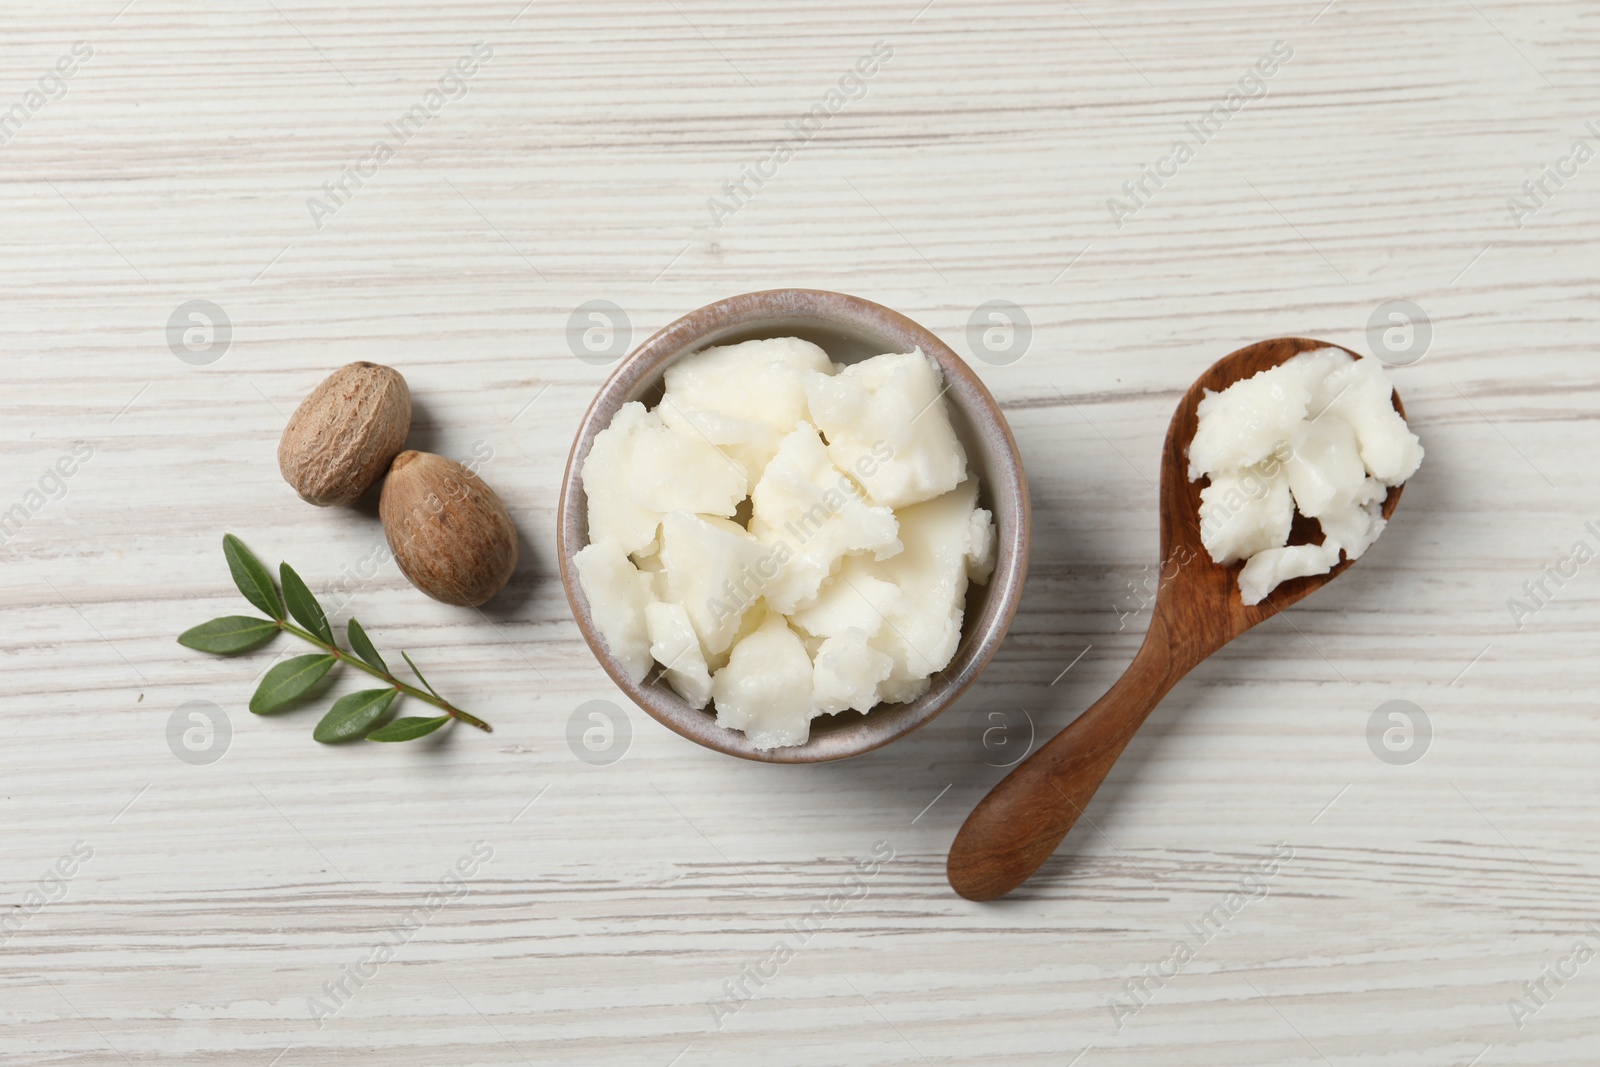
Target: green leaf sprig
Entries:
(354, 716)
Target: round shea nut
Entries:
(449, 532)
(342, 437)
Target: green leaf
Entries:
(363, 646)
(229, 635)
(353, 715)
(303, 606)
(407, 729)
(289, 680)
(421, 679)
(253, 580)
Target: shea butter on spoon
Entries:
(786, 537)
(1317, 434)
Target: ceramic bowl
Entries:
(849, 329)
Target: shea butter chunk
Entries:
(854, 598)
(847, 672)
(676, 646)
(888, 427)
(618, 596)
(614, 513)
(1325, 467)
(638, 469)
(1244, 512)
(765, 690)
(931, 573)
(716, 570)
(1246, 422)
(743, 398)
(805, 503)
(1270, 567)
(1360, 394)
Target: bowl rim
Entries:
(981, 636)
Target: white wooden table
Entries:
(624, 901)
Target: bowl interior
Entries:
(849, 330)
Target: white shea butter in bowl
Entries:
(784, 537)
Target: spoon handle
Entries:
(1018, 825)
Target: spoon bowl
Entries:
(1024, 818)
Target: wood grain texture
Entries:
(620, 899)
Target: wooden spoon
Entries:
(1018, 825)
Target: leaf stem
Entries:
(409, 690)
